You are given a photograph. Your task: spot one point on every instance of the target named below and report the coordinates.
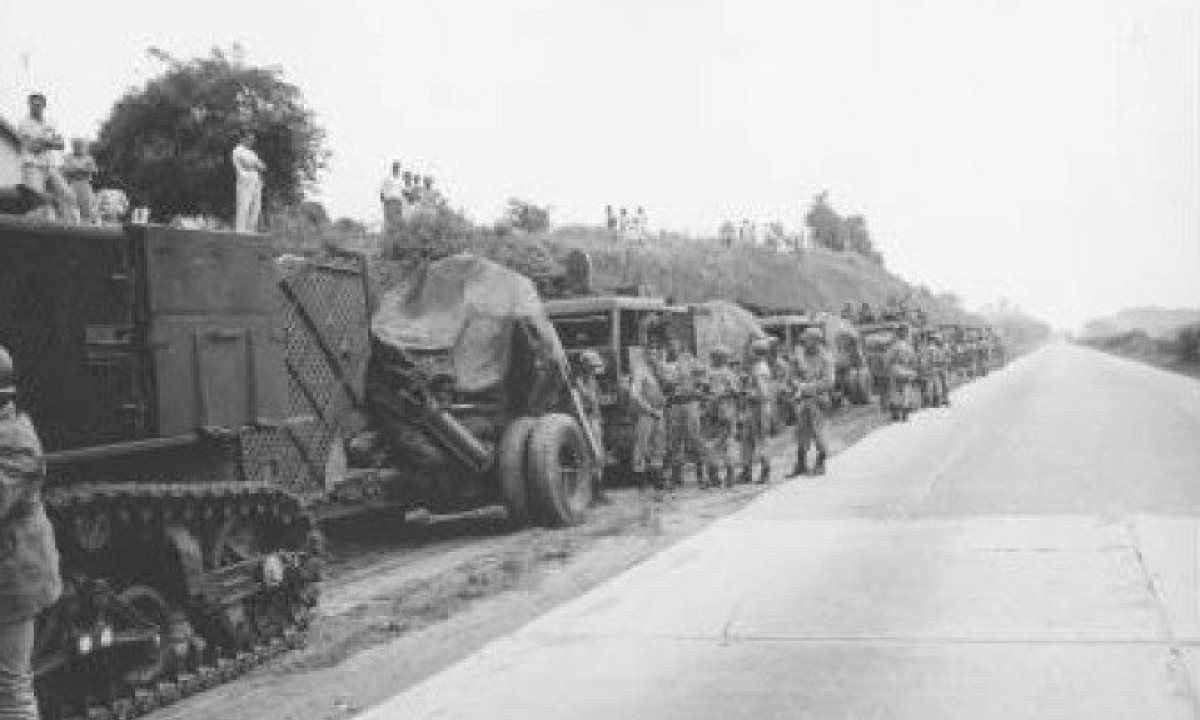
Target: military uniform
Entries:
(900, 361)
(756, 420)
(723, 449)
(587, 389)
(29, 578)
(647, 403)
(813, 380)
(684, 375)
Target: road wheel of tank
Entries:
(238, 539)
(513, 468)
(560, 471)
(141, 610)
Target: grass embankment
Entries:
(693, 270)
(1137, 345)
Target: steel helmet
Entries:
(8, 373)
(592, 359)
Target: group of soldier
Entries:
(717, 415)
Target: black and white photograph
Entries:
(636, 360)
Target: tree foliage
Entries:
(526, 216)
(831, 230)
(168, 143)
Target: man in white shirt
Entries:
(249, 169)
(40, 144)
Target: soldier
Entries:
(757, 386)
(926, 370)
(814, 376)
(587, 386)
(941, 370)
(646, 404)
(900, 362)
(723, 393)
(684, 376)
(29, 579)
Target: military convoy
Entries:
(203, 404)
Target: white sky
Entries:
(1045, 151)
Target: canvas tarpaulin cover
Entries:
(720, 323)
(467, 306)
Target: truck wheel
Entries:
(560, 471)
(513, 468)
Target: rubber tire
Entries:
(513, 469)
(552, 504)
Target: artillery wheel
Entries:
(142, 609)
(560, 471)
(512, 467)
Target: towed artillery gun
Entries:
(469, 389)
(201, 404)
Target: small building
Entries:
(10, 154)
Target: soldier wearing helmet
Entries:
(813, 379)
(586, 383)
(684, 377)
(757, 387)
(647, 404)
(723, 410)
(29, 579)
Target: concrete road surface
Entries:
(1030, 552)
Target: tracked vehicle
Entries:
(152, 362)
(201, 400)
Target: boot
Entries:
(819, 468)
(801, 467)
(747, 473)
(765, 477)
(730, 476)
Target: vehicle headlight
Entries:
(84, 644)
(106, 636)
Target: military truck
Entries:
(615, 326)
(202, 405)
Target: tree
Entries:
(526, 216)
(167, 144)
(858, 238)
(824, 223)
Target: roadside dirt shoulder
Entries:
(403, 601)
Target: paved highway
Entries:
(1030, 552)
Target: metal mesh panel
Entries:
(327, 345)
